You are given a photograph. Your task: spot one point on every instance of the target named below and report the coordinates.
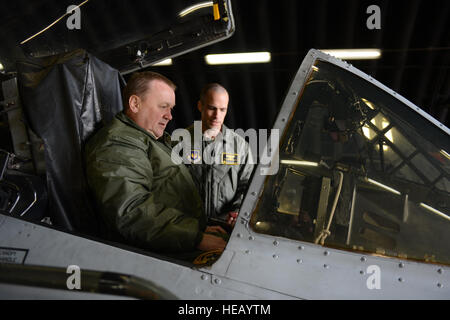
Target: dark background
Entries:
(414, 38)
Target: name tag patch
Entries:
(230, 158)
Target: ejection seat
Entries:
(66, 98)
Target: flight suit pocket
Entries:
(227, 188)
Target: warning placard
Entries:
(13, 255)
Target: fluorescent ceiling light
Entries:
(167, 62)
(354, 54)
(235, 58)
(382, 186)
(1, 67)
(300, 163)
(443, 215)
(443, 152)
(368, 103)
(195, 7)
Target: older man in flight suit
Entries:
(224, 177)
(145, 199)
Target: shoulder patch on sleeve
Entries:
(195, 156)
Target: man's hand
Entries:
(232, 216)
(215, 229)
(210, 242)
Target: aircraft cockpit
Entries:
(358, 173)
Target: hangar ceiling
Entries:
(414, 39)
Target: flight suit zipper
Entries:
(206, 185)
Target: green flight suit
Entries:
(145, 199)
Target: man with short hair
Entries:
(145, 199)
(224, 177)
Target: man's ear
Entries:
(134, 103)
(199, 106)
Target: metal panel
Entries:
(306, 270)
(49, 247)
(17, 126)
(26, 144)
